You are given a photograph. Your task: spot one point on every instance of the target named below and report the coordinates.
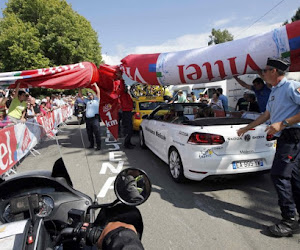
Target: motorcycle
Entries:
(42, 210)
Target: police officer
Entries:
(92, 117)
(283, 110)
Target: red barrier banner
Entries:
(8, 147)
(16, 141)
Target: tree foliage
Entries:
(45, 33)
(219, 36)
(294, 18)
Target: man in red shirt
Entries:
(127, 107)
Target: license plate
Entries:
(247, 164)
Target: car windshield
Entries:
(149, 105)
(194, 114)
(190, 111)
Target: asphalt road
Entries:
(215, 214)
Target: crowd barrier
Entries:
(18, 140)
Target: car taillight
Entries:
(137, 115)
(205, 139)
(270, 137)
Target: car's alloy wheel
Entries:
(175, 166)
(142, 139)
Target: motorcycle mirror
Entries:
(132, 186)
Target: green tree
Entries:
(294, 18)
(219, 36)
(45, 33)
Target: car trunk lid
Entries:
(253, 141)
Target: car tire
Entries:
(175, 166)
(142, 139)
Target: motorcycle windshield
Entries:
(35, 172)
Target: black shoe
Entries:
(98, 148)
(91, 146)
(286, 227)
(129, 146)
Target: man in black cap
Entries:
(283, 110)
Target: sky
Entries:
(146, 27)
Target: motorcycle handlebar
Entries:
(83, 232)
(65, 232)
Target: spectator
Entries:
(181, 97)
(53, 101)
(35, 106)
(62, 100)
(201, 96)
(216, 102)
(10, 97)
(30, 111)
(167, 95)
(260, 89)
(193, 97)
(223, 98)
(57, 100)
(17, 108)
(242, 103)
(3, 99)
(252, 103)
(4, 119)
(43, 110)
(48, 103)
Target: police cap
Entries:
(277, 63)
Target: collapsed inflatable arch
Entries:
(217, 62)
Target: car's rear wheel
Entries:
(175, 166)
(142, 139)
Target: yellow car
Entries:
(144, 105)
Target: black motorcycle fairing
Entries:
(59, 170)
(122, 213)
(65, 196)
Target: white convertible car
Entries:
(196, 141)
